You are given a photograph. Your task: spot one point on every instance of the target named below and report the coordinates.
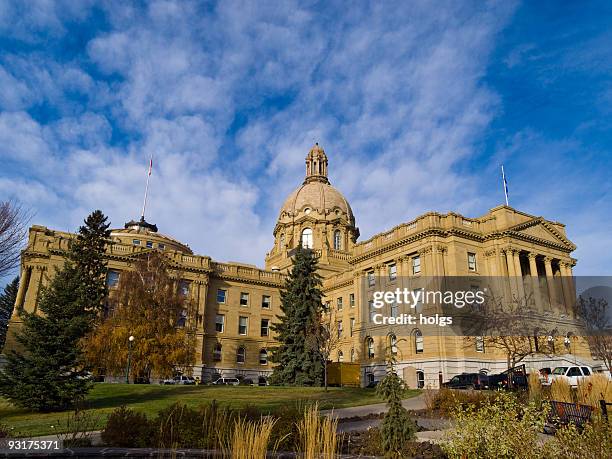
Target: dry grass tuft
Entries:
(593, 389)
(561, 391)
(318, 435)
(535, 387)
(250, 439)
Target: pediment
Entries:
(538, 229)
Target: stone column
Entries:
(202, 293)
(550, 282)
(520, 290)
(535, 282)
(568, 288)
(508, 252)
(23, 285)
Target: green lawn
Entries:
(149, 399)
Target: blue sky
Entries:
(416, 103)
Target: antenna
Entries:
(505, 184)
(144, 204)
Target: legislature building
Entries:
(236, 304)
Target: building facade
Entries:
(238, 303)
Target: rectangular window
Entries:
(339, 303)
(372, 310)
(161, 246)
(479, 344)
(244, 299)
(136, 242)
(243, 325)
(416, 265)
(219, 323)
(394, 309)
(418, 294)
(112, 278)
(339, 328)
(221, 295)
(392, 272)
(352, 329)
(265, 327)
(471, 261)
(371, 281)
(184, 288)
(149, 244)
(352, 300)
(266, 301)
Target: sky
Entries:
(417, 105)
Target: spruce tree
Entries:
(301, 306)
(47, 373)
(7, 302)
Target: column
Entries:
(508, 252)
(23, 285)
(550, 282)
(535, 282)
(519, 276)
(201, 326)
(568, 288)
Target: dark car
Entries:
(514, 378)
(468, 381)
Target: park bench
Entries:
(563, 413)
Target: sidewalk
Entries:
(414, 403)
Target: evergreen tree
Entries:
(301, 306)
(397, 428)
(7, 302)
(48, 374)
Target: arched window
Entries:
(307, 238)
(263, 357)
(352, 355)
(240, 354)
(340, 356)
(393, 343)
(337, 240)
(420, 374)
(262, 381)
(418, 341)
(217, 352)
(282, 240)
(370, 348)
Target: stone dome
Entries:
(318, 196)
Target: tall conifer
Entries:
(7, 303)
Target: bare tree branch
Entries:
(14, 221)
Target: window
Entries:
(307, 238)
(574, 371)
(340, 356)
(471, 261)
(418, 294)
(240, 354)
(136, 242)
(217, 352)
(392, 272)
(352, 325)
(184, 288)
(394, 309)
(586, 371)
(219, 323)
(479, 344)
(420, 379)
(263, 357)
(371, 279)
(161, 246)
(339, 303)
(182, 320)
(112, 278)
(149, 244)
(266, 301)
(243, 325)
(372, 310)
(393, 343)
(416, 265)
(244, 299)
(352, 355)
(221, 295)
(265, 327)
(352, 300)
(327, 306)
(337, 240)
(339, 328)
(370, 348)
(418, 341)
(282, 240)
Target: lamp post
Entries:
(127, 370)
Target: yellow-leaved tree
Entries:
(152, 304)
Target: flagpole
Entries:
(144, 204)
(505, 184)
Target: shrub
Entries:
(594, 441)
(447, 400)
(128, 429)
(501, 428)
(397, 428)
(76, 429)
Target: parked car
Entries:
(571, 374)
(514, 378)
(227, 382)
(183, 380)
(468, 381)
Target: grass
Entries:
(150, 399)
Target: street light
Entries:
(127, 370)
